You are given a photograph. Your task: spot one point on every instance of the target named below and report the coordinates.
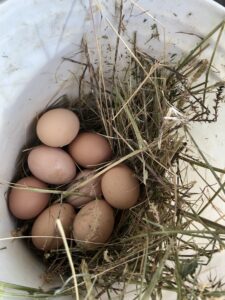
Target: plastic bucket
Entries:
(35, 36)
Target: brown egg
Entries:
(45, 231)
(120, 187)
(26, 204)
(93, 224)
(51, 165)
(58, 127)
(90, 191)
(90, 149)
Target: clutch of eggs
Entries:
(55, 162)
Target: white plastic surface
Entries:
(35, 35)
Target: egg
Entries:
(93, 224)
(57, 127)
(120, 187)
(45, 232)
(90, 149)
(51, 165)
(26, 204)
(88, 192)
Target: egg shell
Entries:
(90, 149)
(120, 187)
(57, 127)
(45, 226)
(93, 224)
(51, 165)
(26, 204)
(87, 193)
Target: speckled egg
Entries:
(88, 192)
(93, 224)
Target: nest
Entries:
(145, 113)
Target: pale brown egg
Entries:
(45, 234)
(93, 224)
(26, 204)
(120, 187)
(85, 194)
(90, 149)
(57, 127)
(51, 165)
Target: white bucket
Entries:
(34, 36)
